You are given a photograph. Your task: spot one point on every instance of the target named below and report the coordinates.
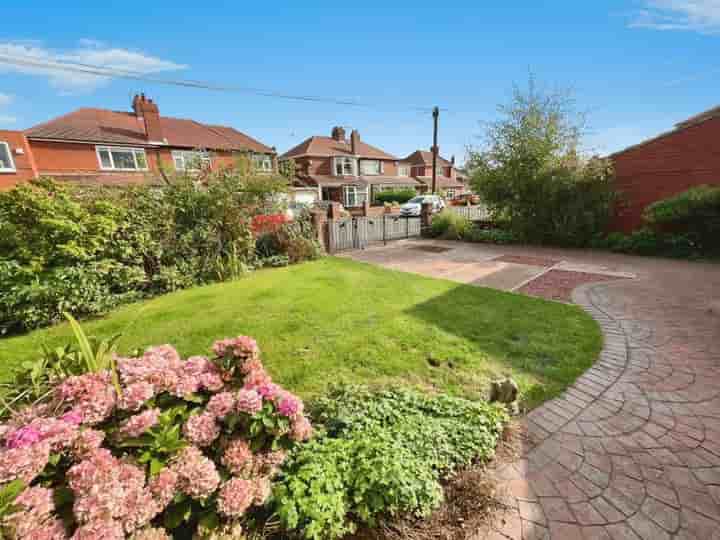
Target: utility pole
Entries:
(435, 113)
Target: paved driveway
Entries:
(632, 449)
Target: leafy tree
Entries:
(532, 175)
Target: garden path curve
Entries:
(632, 450)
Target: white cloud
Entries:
(6, 120)
(689, 15)
(89, 52)
(5, 99)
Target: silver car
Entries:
(414, 206)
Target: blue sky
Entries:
(636, 66)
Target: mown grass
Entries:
(338, 320)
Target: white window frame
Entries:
(265, 160)
(359, 195)
(12, 167)
(200, 157)
(343, 161)
(450, 193)
(379, 167)
(404, 170)
(133, 151)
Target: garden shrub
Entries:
(158, 446)
(491, 236)
(380, 453)
(450, 225)
(87, 250)
(650, 242)
(295, 240)
(695, 213)
(399, 196)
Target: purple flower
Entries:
(23, 437)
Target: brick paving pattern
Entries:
(523, 259)
(559, 284)
(632, 450)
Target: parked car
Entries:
(414, 206)
(465, 199)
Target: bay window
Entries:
(6, 160)
(370, 167)
(190, 160)
(345, 166)
(115, 158)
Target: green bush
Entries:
(695, 213)
(399, 196)
(86, 251)
(491, 236)
(450, 225)
(381, 453)
(650, 242)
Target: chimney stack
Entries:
(452, 160)
(338, 133)
(354, 141)
(147, 110)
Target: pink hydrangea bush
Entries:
(181, 437)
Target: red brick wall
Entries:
(24, 163)
(79, 162)
(665, 167)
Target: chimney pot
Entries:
(338, 133)
(150, 114)
(354, 141)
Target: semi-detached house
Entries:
(118, 147)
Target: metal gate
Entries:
(358, 232)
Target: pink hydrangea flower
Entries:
(167, 352)
(201, 429)
(256, 379)
(23, 437)
(301, 429)
(235, 497)
(91, 395)
(151, 533)
(238, 458)
(33, 515)
(268, 464)
(212, 381)
(87, 441)
(23, 463)
(138, 424)
(163, 486)
(135, 395)
(268, 391)
(72, 417)
(288, 404)
(106, 529)
(197, 475)
(220, 405)
(248, 401)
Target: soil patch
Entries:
(559, 284)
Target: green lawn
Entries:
(338, 320)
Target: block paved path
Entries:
(632, 450)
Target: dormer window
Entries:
(345, 166)
(6, 160)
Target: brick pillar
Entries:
(320, 225)
(334, 211)
(426, 214)
(366, 208)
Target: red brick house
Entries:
(16, 159)
(347, 171)
(687, 156)
(419, 165)
(115, 147)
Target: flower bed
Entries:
(156, 447)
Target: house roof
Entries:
(317, 146)
(690, 122)
(442, 181)
(423, 157)
(335, 181)
(117, 127)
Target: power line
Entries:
(101, 71)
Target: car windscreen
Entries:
(417, 200)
